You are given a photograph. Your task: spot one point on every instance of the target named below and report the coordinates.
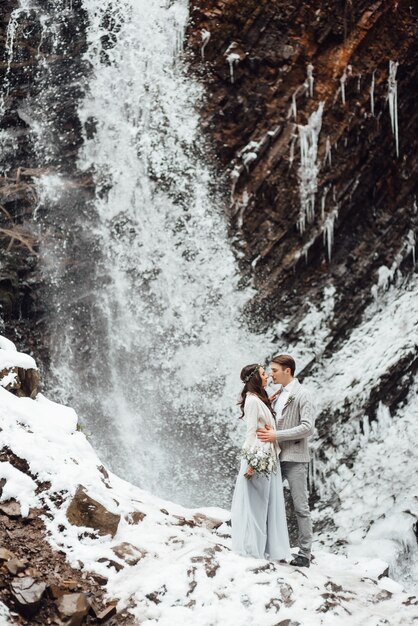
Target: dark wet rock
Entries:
(85, 511)
(27, 594)
(72, 608)
(111, 563)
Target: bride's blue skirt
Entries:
(259, 527)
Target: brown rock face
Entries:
(27, 594)
(73, 607)
(84, 511)
(357, 211)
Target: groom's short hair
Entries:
(285, 360)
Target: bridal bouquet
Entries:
(260, 459)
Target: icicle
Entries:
(410, 245)
(372, 94)
(343, 80)
(232, 58)
(308, 170)
(205, 35)
(393, 101)
(310, 78)
(328, 231)
(358, 82)
(323, 200)
(294, 106)
(328, 151)
(292, 150)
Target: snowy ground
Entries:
(187, 574)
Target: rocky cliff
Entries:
(281, 74)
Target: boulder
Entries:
(29, 383)
(135, 517)
(6, 555)
(11, 508)
(84, 511)
(72, 608)
(15, 566)
(129, 553)
(27, 594)
(211, 523)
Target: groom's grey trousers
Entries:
(296, 474)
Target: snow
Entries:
(190, 570)
(18, 486)
(9, 357)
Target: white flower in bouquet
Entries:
(260, 459)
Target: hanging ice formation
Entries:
(393, 101)
(372, 94)
(343, 80)
(308, 170)
(328, 231)
(205, 35)
(310, 78)
(328, 156)
(232, 57)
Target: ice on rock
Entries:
(205, 35)
(410, 245)
(328, 156)
(393, 101)
(372, 93)
(343, 81)
(308, 170)
(310, 79)
(328, 231)
(232, 57)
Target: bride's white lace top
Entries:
(257, 415)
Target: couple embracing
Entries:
(275, 448)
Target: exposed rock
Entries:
(6, 555)
(29, 383)
(135, 517)
(365, 198)
(105, 613)
(27, 593)
(11, 508)
(84, 511)
(72, 608)
(110, 563)
(129, 553)
(207, 522)
(14, 566)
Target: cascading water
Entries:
(147, 335)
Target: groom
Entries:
(295, 423)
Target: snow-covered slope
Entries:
(185, 572)
(365, 465)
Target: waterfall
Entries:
(147, 330)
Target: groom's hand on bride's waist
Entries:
(266, 434)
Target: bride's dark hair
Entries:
(250, 376)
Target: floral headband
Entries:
(251, 374)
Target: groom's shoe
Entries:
(300, 561)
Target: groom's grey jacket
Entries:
(298, 419)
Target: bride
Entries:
(259, 527)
